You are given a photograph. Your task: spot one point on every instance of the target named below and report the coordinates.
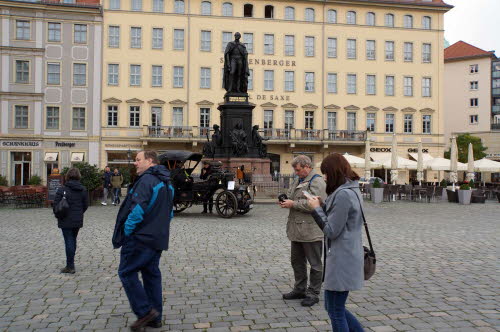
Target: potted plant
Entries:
(3, 181)
(443, 184)
(464, 194)
(377, 192)
(35, 180)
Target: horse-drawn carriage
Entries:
(230, 197)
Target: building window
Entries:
(408, 52)
(268, 80)
(205, 118)
(158, 6)
(426, 53)
(156, 75)
(370, 18)
(134, 116)
(179, 39)
(178, 77)
(52, 117)
(158, 38)
(370, 50)
(289, 81)
(206, 41)
(178, 117)
(112, 115)
(474, 69)
(269, 44)
(113, 74)
(408, 124)
(205, 74)
(53, 73)
(79, 74)
(426, 124)
(332, 47)
(389, 20)
(309, 82)
(227, 9)
(80, 33)
(289, 13)
(113, 36)
(309, 15)
(248, 41)
(389, 51)
(351, 17)
(206, 8)
(331, 83)
(389, 85)
(473, 119)
(22, 30)
(250, 80)
(474, 85)
(389, 123)
(408, 86)
(309, 119)
(474, 102)
(179, 6)
(309, 46)
(21, 116)
(331, 121)
(331, 16)
(156, 116)
(426, 22)
(408, 21)
(54, 32)
(136, 5)
(135, 37)
(370, 122)
(371, 85)
(426, 87)
(268, 119)
(351, 48)
(351, 83)
(289, 45)
(114, 4)
(248, 10)
(351, 120)
(269, 11)
(289, 121)
(78, 118)
(226, 38)
(135, 75)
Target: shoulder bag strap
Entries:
(364, 222)
(313, 177)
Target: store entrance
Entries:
(275, 163)
(21, 165)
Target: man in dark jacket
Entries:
(142, 230)
(205, 173)
(106, 186)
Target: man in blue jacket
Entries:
(142, 230)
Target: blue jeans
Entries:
(116, 195)
(135, 258)
(70, 235)
(342, 319)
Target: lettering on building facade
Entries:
(268, 62)
(410, 150)
(65, 144)
(23, 144)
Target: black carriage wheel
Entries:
(226, 204)
(181, 206)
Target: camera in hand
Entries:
(282, 198)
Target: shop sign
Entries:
(122, 146)
(21, 144)
(65, 144)
(270, 97)
(410, 150)
(415, 150)
(268, 62)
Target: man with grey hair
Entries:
(305, 236)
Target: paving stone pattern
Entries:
(437, 271)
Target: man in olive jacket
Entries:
(305, 235)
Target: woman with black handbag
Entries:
(341, 220)
(70, 217)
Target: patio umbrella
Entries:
(394, 159)
(454, 162)
(403, 163)
(470, 164)
(420, 164)
(367, 158)
(354, 161)
(486, 165)
(442, 164)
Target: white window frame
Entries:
(205, 77)
(268, 80)
(135, 75)
(156, 75)
(113, 77)
(309, 84)
(331, 83)
(352, 84)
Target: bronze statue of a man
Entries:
(236, 70)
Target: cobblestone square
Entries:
(437, 271)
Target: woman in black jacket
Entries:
(77, 198)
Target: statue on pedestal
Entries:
(209, 148)
(239, 140)
(258, 142)
(236, 70)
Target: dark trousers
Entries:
(209, 204)
(116, 195)
(342, 319)
(301, 254)
(135, 258)
(70, 235)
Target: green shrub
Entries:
(471, 183)
(443, 183)
(465, 186)
(91, 175)
(3, 181)
(376, 183)
(35, 180)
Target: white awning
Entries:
(77, 157)
(380, 156)
(426, 156)
(50, 156)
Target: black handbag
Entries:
(370, 258)
(61, 209)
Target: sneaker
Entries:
(141, 323)
(293, 295)
(155, 324)
(102, 203)
(68, 270)
(309, 301)
(114, 203)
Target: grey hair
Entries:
(303, 161)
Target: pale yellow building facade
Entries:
(323, 74)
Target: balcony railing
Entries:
(346, 135)
(495, 109)
(495, 126)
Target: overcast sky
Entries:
(475, 22)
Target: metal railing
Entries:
(495, 109)
(495, 126)
(346, 135)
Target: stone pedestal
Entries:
(259, 168)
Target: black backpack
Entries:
(61, 209)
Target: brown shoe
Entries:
(141, 323)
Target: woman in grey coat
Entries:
(341, 220)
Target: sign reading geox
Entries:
(22, 144)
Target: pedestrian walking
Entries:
(106, 185)
(142, 231)
(340, 218)
(205, 172)
(116, 184)
(76, 196)
(305, 236)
